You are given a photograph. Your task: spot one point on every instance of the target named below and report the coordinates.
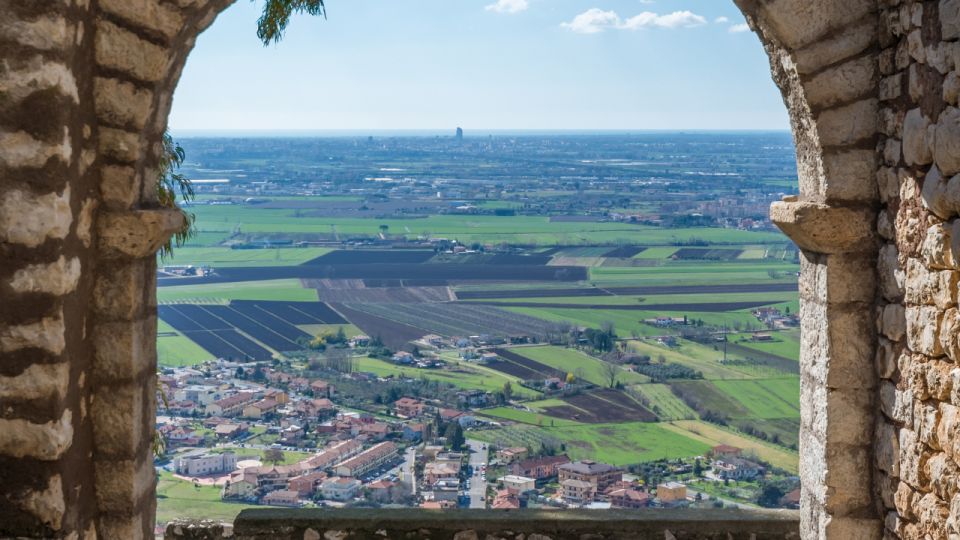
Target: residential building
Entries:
(724, 451)
(599, 475)
(242, 485)
(333, 454)
(434, 472)
(230, 405)
(322, 389)
(577, 491)
(671, 493)
(282, 497)
(306, 484)
(518, 484)
(340, 488)
(205, 464)
(509, 455)
(408, 407)
(539, 468)
(505, 500)
(413, 432)
(260, 408)
(367, 460)
(737, 469)
(628, 497)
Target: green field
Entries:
(713, 435)
(626, 322)
(636, 300)
(576, 362)
(469, 228)
(618, 444)
(274, 289)
(765, 398)
(525, 417)
(786, 343)
(664, 403)
(181, 499)
(467, 377)
(225, 257)
(177, 351)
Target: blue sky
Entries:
(483, 64)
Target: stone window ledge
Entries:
(369, 524)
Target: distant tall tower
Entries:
(459, 134)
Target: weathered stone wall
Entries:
(918, 433)
(871, 87)
(366, 524)
(85, 89)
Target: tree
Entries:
(507, 391)
(170, 186)
(276, 15)
(610, 372)
(570, 378)
(697, 468)
(454, 435)
(770, 496)
(273, 455)
(384, 229)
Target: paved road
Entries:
(478, 487)
(408, 469)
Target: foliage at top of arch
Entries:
(276, 14)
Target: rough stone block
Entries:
(118, 412)
(890, 274)
(834, 48)
(120, 145)
(121, 104)
(137, 234)
(149, 14)
(824, 229)
(121, 484)
(117, 48)
(39, 381)
(800, 22)
(123, 351)
(47, 442)
(947, 147)
(937, 249)
(850, 175)
(848, 124)
(119, 290)
(58, 278)
(29, 219)
(119, 186)
(923, 330)
(46, 334)
(950, 19)
(893, 322)
(916, 147)
(842, 83)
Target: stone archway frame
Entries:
(79, 226)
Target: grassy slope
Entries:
(572, 361)
(766, 398)
(180, 499)
(477, 379)
(714, 435)
(664, 403)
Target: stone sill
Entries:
(370, 524)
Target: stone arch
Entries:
(85, 89)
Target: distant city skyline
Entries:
(483, 65)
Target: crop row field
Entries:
(217, 328)
(448, 319)
(580, 365)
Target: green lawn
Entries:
(177, 351)
(786, 343)
(766, 398)
(525, 417)
(626, 322)
(274, 289)
(224, 257)
(664, 403)
(181, 499)
(578, 363)
(468, 376)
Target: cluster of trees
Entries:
(664, 371)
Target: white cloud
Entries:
(595, 20)
(508, 6)
(737, 28)
(721, 20)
